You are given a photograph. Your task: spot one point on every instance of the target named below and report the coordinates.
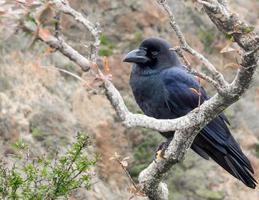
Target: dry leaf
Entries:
(228, 48)
(49, 50)
(195, 91)
(124, 163)
(44, 34)
(112, 158)
(116, 155)
(126, 158)
(2, 12)
(133, 190)
(44, 14)
(106, 65)
(232, 65)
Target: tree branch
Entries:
(186, 127)
(60, 45)
(217, 76)
(199, 74)
(63, 6)
(221, 16)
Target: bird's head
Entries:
(154, 53)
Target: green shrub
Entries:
(40, 177)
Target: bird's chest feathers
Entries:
(148, 92)
(145, 87)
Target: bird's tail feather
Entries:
(236, 163)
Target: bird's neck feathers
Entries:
(144, 71)
(168, 59)
(174, 60)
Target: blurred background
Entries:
(47, 107)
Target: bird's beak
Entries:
(136, 56)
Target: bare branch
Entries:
(152, 175)
(217, 76)
(178, 50)
(66, 72)
(223, 2)
(243, 34)
(229, 23)
(186, 127)
(57, 24)
(68, 51)
(63, 6)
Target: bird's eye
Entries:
(154, 53)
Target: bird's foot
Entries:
(160, 152)
(160, 155)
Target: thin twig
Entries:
(219, 78)
(188, 126)
(57, 24)
(203, 76)
(69, 73)
(68, 51)
(63, 6)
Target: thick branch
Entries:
(68, 51)
(186, 127)
(229, 23)
(152, 175)
(243, 34)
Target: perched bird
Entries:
(164, 89)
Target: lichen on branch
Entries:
(188, 126)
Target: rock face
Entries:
(47, 107)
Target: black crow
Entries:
(164, 89)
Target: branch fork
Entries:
(186, 127)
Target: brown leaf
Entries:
(133, 190)
(126, 158)
(124, 163)
(132, 197)
(195, 91)
(44, 34)
(49, 50)
(228, 48)
(232, 65)
(44, 14)
(2, 12)
(116, 155)
(112, 158)
(106, 65)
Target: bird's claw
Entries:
(160, 155)
(160, 152)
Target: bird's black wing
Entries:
(182, 90)
(182, 94)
